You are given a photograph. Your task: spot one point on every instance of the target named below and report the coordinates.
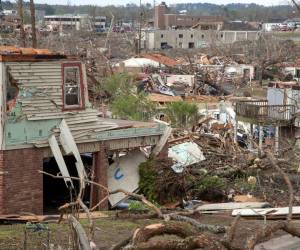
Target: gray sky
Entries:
(121, 2)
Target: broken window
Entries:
(72, 86)
(298, 73)
(180, 35)
(191, 45)
(12, 92)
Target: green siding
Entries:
(28, 132)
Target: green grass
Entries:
(109, 231)
(287, 34)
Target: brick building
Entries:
(45, 103)
(164, 20)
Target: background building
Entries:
(74, 22)
(189, 39)
(165, 20)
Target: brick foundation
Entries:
(21, 186)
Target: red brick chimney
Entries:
(159, 17)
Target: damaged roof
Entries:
(284, 85)
(162, 59)
(202, 98)
(7, 52)
(164, 98)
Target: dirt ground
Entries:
(110, 231)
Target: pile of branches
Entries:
(222, 151)
(198, 236)
(204, 236)
(224, 173)
(208, 180)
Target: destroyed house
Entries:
(277, 111)
(45, 116)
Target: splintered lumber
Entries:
(232, 206)
(16, 218)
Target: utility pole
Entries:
(140, 29)
(33, 29)
(21, 15)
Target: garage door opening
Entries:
(55, 190)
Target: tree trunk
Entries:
(202, 241)
(144, 234)
(33, 29)
(260, 76)
(21, 15)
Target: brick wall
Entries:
(21, 186)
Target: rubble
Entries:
(211, 166)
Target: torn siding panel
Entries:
(28, 132)
(40, 86)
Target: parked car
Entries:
(99, 30)
(166, 46)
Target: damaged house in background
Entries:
(274, 118)
(45, 116)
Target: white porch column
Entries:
(235, 130)
(260, 145)
(276, 140)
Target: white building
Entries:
(64, 22)
(74, 22)
(267, 27)
(189, 39)
(9, 12)
(100, 22)
(293, 71)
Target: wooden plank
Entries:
(60, 161)
(270, 212)
(68, 143)
(232, 206)
(163, 140)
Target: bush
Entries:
(148, 178)
(133, 107)
(182, 114)
(208, 183)
(137, 206)
(210, 188)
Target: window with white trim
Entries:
(72, 86)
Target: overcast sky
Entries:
(122, 2)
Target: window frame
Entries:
(81, 87)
